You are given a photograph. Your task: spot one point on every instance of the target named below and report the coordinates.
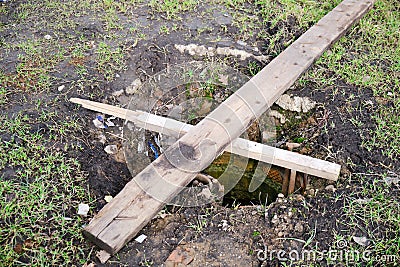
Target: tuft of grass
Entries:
(39, 223)
(109, 60)
(172, 8)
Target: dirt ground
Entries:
(216, 235)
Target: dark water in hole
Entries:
(267, 192)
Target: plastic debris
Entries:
(109, 123)
(141, 238)
(108, 198)
(60, 88)
(99, 122)
(47, 37)
(83, 209)
(111, 149)
(153, 148)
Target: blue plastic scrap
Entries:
(153, 148)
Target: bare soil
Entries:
(216, 235)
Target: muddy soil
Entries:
(217, 235)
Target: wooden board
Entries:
(242, 147)
(143, 197)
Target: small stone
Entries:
(389, 93)
(241, 43)
(275, 219)
(118, 93)
(103, 256)
(268, 136)
(273, 113)
(83, 209)
(131, 89)
(299, 228)
(47, 37)
(297, 104)
(366, 78)
(298, 197)
(117, 75)
(280, 195)
(330, 188)
(311, 192)
(108, 198)
(111, 149)
(280, 234)
(223, 79)
(292, 146)
(224, 225)
(102, 138)
(363, 241)
(60, 88)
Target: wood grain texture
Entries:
(144, 196)
(242, 147)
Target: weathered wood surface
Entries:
(242, 147)
(143, 197)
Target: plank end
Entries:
(97, 241)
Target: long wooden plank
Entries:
(144, 196)
(242, 147)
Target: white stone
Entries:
(111, 149)
(118, 93)
(363, 241)
(83, 209)
(131, 89)
(60, 88)
(108, 198)
(276, 114)
(297, 104)
(330, 188)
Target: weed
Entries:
(172, 8)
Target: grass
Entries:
(173, 8)
(374, 211)
(89, 44)
(39, 223)
(369, 56)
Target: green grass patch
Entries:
(39, 225)
(172, 8)
(369, 56)
(374, 212)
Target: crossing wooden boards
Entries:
(242, 147)
(147, 193)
